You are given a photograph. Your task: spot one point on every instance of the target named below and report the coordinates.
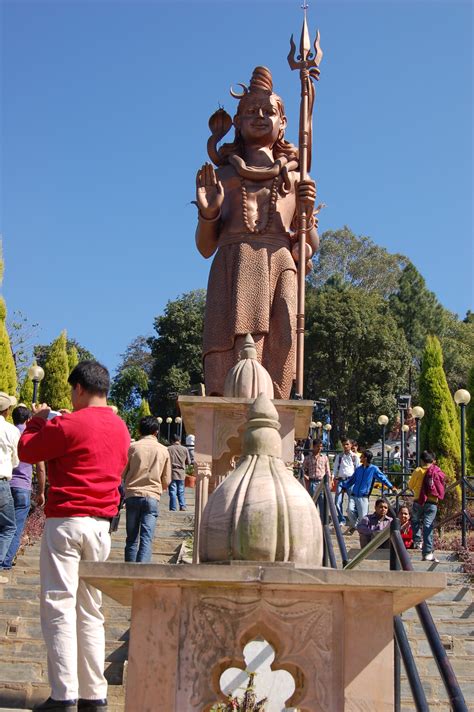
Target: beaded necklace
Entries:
(271, 208)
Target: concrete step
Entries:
(28, 670)
(444, 566)
(23, 696)
(16, 627)
(436, 693)
(33, 650)
(353, 548)
(443, 610)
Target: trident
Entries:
(308, 64)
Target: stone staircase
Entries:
(453, 614)
(23, 667)
(23, 676)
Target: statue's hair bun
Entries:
(261, 80)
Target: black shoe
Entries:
(56, 705)
(91, 705)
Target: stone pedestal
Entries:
(217, 424)
(332, 630)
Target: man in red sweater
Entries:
(86, 452)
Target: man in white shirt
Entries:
(344, 466)
(396, 455)
(9, 437)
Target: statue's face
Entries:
(259, 119)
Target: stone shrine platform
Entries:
(331, 630)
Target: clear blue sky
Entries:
(105, 108)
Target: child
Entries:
(405, 527)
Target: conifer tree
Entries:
(26, 392)
(440, 432)
(142, 411)
(8, 382)
(72, 357)
(470, 421)
(55, 390)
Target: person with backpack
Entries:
(428, 485)
(344, 467)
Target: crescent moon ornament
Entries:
(236, 95)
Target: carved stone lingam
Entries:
(260, 512)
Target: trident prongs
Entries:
(306, 59)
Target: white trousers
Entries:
(71, 617)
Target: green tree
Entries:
(440, 431)
(356, 261)
(129, 387)
(355, 356)
(457, 343)
(142, 411)
(470, 420)
(8, 382)
(26, 392)
(54, 388)
(72, 357)
(129, 390)
(418, 313)
(137, 353)
(41, 352)
(177, 351)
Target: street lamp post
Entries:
(179, 422)
(328, 428)
(160, 420)
(35, 374)
(318, 425)
(389, 450)
(462, 398)
(418, 414)
(168, 422)
(382, 420)
(403, 403)
(312, 426)
(404, 442)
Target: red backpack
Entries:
(434, 482)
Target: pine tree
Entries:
(440, 432)
(55, 390)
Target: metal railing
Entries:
(399, 559)
(467, 496)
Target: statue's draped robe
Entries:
(252, 289)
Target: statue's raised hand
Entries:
(209, 192)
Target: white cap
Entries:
(7, 401)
